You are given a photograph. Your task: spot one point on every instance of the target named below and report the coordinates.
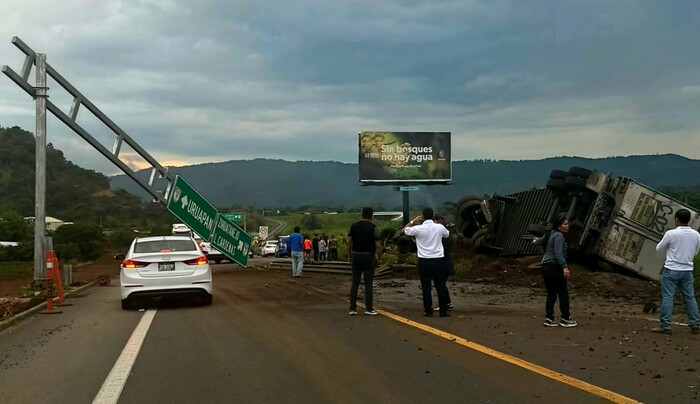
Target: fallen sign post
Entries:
(231, 240)
(192, 209)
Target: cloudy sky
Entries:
(216, 80)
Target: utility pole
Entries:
(40, 166)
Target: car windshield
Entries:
(164, 246)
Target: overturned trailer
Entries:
(614, 220)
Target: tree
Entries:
(88, 238)
(310, 222)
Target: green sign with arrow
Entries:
(192, 209)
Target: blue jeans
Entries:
(683, 280)
(297, 262)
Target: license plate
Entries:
(166, 266)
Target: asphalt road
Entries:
(267, 338)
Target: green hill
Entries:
(267, 183)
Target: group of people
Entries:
(322, 248)
(435, 264)
(680, 245)
(302, 249)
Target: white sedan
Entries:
(164, 266)
(268, 248)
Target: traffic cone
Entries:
(49, 284)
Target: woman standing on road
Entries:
(555, 272)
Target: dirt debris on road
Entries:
(500, 302)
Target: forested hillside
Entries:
(73, 194)
(276, 183)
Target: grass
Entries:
(14, 270)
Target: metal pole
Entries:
(406, 219)
(245, 221)
(40, 175)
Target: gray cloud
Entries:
(298, 79)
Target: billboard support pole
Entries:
(406, 219)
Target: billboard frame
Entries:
(372, 158)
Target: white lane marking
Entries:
(114, 383)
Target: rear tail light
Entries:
(201, 260)
(134, 264)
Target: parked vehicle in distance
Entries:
(268, 248)
(210, 252)
(181, 229)
(283, 247)
(161, 266)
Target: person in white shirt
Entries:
(431, 262)
(681, 244)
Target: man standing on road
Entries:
(431, 259)
(681, 244)
(296, 247)
(365, 251)
(314, 246)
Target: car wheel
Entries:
(207, 300)
(127, 304)
(217, 260)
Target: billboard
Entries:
(394, 157)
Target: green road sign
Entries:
(233, 216)
(192, 209)
(231, 240)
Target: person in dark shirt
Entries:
(365, 251)
(314, 246)
(448, 245)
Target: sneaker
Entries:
(695, 330)
(660, 330)
(371, 313)
(352, 313)
(428, 314)
(549, 322)
(450, 306)
(444, 314)
(567, 323)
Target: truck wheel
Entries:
(467, 209)
(572, 182)
(537, 229)
(478, 239)
(558, 174)
(556, 185)
(468, 229)
(580, 172)
(404, 243)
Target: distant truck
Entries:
(615, 220)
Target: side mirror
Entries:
(119, 257)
